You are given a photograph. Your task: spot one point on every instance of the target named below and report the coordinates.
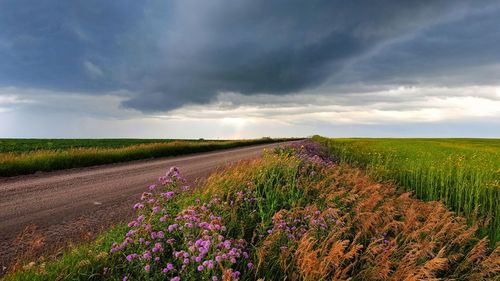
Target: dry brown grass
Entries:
(27, 243)
(385, 235)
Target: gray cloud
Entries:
(454, 53)
(282, 47)
(168, 54)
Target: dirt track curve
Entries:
(74, 205)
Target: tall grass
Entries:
(12, 164)
(464, 174)
(298, 219)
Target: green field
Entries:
(25, 156)
(28, 145)
(462, 173)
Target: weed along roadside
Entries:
(297, 213)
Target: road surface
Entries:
(74, 205)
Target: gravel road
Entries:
(56, 208)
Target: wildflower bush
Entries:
(167, 242)
(209, 238)
(295, 214)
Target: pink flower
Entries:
(168, 195)
(130, 258)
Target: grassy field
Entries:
(25, 156)
(464, 174)
(289, 216)
(29, 145)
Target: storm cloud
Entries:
(278, 47)
(248, 68)
(168, 54)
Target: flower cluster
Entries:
(294, 224)
(153, 204)
(204, 246)
(380, 243)
(186, 244)
(314, 152)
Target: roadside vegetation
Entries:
(296, 214)
(464, 174)
(30, 156)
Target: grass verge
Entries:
(289, 216)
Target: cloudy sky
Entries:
(251, 68)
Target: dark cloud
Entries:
(457, 53)
(51, 44)
(173, 53)
(254, 47)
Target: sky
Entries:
(249, 68)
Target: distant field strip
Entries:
(30, 156)
(29, 145)
(462, 173)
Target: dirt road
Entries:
(74, 205)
